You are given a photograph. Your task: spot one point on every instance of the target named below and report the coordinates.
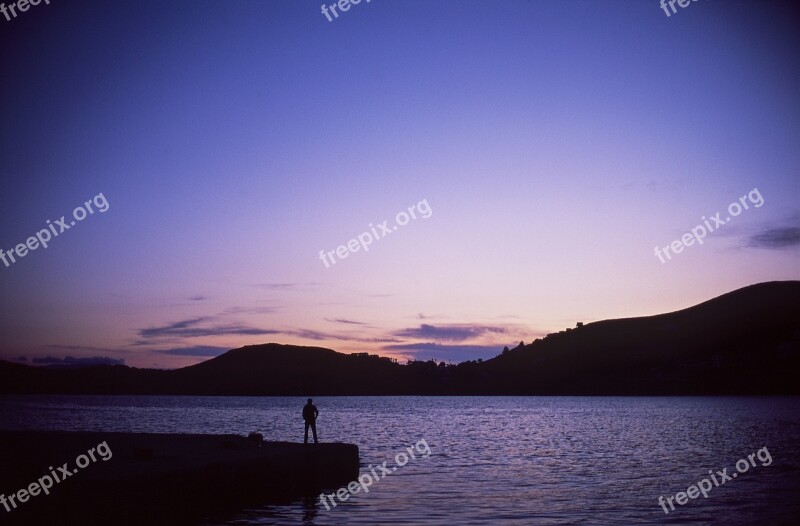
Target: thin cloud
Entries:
(449, 353)
(776, 238)
(341, 320)
(198, 351)
(310, 335)
(288, 286)
(70, 361)
(176, 328)
(317, 336)
(193, 328)
(422, 316)
(248, 310)
(77, 348)
(277, 285)
(455, 333)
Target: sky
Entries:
(545, 148)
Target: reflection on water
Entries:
(495, 460)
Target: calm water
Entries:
(495, 460)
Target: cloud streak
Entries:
(340, 320)
(455, 333)
(776, 238)
(317, 336)
(450, 353)
(198, 327)
(198, 351)
(69, 361)
(277, 285)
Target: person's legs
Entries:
(314, 429)
(305, 441)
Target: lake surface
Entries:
(494, 460)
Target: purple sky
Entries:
(556, 144)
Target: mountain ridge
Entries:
(746, 341)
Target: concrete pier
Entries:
(157, 478)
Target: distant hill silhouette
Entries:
(743, 342)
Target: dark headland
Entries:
(744, 342)
(162, 478)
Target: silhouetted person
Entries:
(310, 413)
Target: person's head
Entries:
(309, 401)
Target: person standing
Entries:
(310, 413)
